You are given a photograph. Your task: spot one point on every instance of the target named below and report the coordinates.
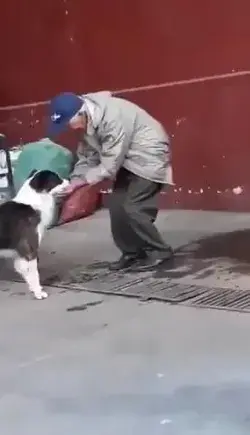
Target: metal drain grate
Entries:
(145, 286)
(138, 285)
(162, 290)
(223, 299)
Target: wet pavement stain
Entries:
(198, 259)
(234, 245)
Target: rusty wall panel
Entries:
(82, 46)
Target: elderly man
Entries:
(121, 142)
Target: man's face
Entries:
(79, 121)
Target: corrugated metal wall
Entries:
(183, 60)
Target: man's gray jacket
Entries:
(123, 135)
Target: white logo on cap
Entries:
(55, 117)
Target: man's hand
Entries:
(72, 187)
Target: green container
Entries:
(41, 155)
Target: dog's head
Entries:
(46, 181)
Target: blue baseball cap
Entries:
(61, 109)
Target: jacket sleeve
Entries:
(87, 158)
(114, 144)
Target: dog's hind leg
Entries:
(29, 271)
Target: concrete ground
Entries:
(123, 366)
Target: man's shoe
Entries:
(126, 261)
(153, 261)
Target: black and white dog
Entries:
(23, 221)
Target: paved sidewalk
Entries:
(86, 363)
(121, 366)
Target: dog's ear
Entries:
(32, 173)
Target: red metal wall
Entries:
(173, 52)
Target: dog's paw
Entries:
(41, 295)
